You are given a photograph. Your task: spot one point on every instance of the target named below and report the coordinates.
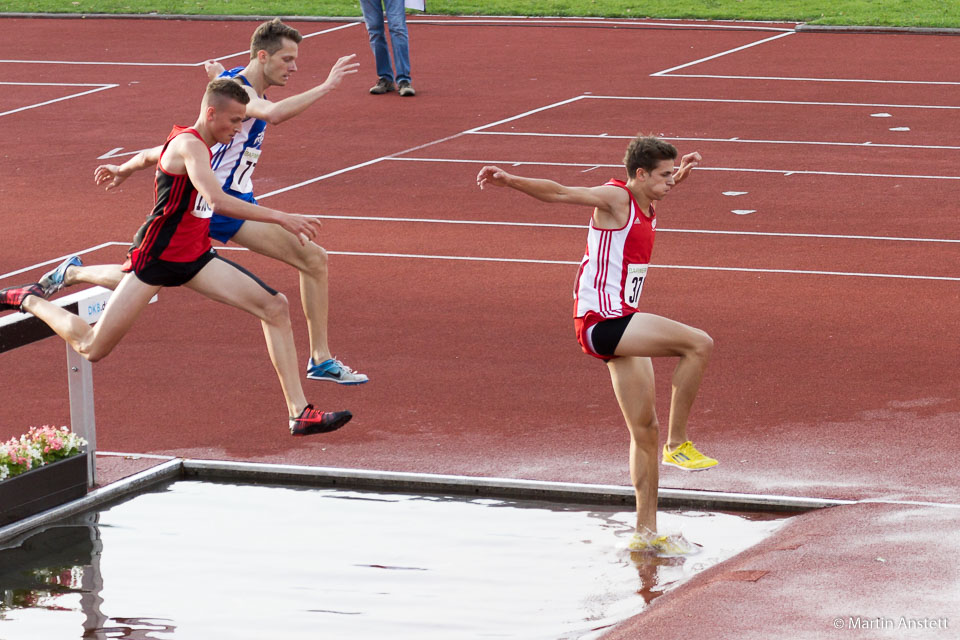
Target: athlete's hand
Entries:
(109, 173)
(213, 69)
(343, 67)
(306, 229)
(687, 163)
(492, 175)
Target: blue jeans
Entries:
(373, 12)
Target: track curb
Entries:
(172, 469)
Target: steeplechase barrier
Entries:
(20, 329)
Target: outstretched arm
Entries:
(277, 112)
(114, 175)
(604, 198)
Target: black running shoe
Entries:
(13, 297)
(312, 421)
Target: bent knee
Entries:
(276, 311)
(315, 260)
(702, 344)
(94, 353)
(310, 259)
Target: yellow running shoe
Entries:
(671, 545)
(687, 458)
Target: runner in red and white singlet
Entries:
(613, 269)
(610, 326)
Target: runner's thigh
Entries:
(123, 308)
(655, 336)
(276, 242)
(223, 282)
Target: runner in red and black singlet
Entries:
(169, 233)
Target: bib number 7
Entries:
(243, 174)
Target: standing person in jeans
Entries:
(373, 14)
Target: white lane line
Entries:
(856, 274)
(546, 225)
(852, 174)
(319, 178)
(101, 87)
(582, 227)
(802, 103)
(56, 84)
(798, 79)
(61, 258)
(408, 150)
(652, 266)
(245, 52)
(373, 254)
(112, 64)
(783, 172)
(723, 53)
(539, 261)
(668, 73)
(825, 236)
(357, 166)
(737, 140)
(527, 113)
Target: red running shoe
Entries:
(312, 421)
(13, 297)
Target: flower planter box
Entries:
(43, 488)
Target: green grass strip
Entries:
(903, 13)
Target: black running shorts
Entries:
(163, 273)
(605, 335)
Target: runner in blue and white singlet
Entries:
(234, 164)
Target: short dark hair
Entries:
(269, 37)
(225, 89)
(646, 152)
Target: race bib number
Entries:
(201, 209)
(243, 175)
(636, 274)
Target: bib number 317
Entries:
(636, 274)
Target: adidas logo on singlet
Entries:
(653, 223)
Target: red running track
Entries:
(834, 303)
